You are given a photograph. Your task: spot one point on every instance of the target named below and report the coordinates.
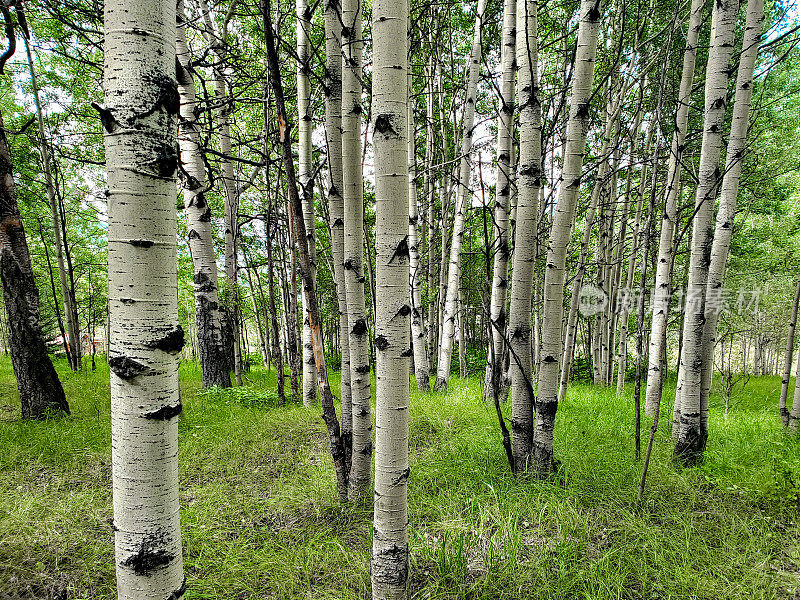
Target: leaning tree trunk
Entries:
(787, 365)
(306, 266)
(418, 335)
(793, 423)
(463, 198)
(500, 246)
(333, 133)
(40, 391)
(305, 179)
(529, 180)
(352, 44)
(740, 124)
(146, 339)
(663, 284)
(691, 441)
(574, 152)
(389, 566)
(198, 217)
(70, 308)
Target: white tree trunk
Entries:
(70, 310)
(500, 247)
(351, 36)
(463, 200)
(737, 141)
(529, 180)
(663, 283)
(142, 104)
(574, 152)
(393, 303)
(333, 133)
(418, 335)
(198, 218)
(691, 438)
(787, 365)
(304, 177)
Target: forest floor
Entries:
(260, 517)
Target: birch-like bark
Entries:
(529, 180)
(305, 179)
(563, 220)
(500, 247)
(720, 250)
(418, 334)
(666, 258)
(787, 365)
(277, 355)
(389, 566)
(793, 423)
(691, 441)
(463, 199)
(70, 309)
(140, 123)
(333, 134)
(198, 217)
(352, 47)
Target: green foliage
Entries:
(246, 396)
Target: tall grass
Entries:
(260, 517)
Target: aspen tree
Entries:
(691, 437)
(333, 133)
(500, 247)
(463, 200)
(418, 334)
(663, 283)
(723, 231)
(70, 308)
(305, 179)
(529, 180)
(574, 152)
(139, 119)
(352, 46)
(787, 366)
(389, 565)
(198, 217)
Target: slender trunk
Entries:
(389, 566)
(198, 217)
(309, 292)
(333, 132)
(692, 436)
(276, 344)
(500, 245)
(146, 338)
(463, 201)
(352, 44)
(737, 140)
(418, 335)
(563, 220)
(306, 182)
(666, 258)
(529, 180)
(70, 312)
(787, 365)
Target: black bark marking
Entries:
(106, 117)
(362, 370)
(165, 413)
(404, 311)
(193, 235)
(359, 327)
(172, 342)
(127, 301)
(149, 557)
(381, 343)
(401, 250)
(383, 124)
(126, 368)
(407, 353)
(141, 243)
(403, 476)
(178, 594)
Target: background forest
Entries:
(572, 226)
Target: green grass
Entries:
(260, 517)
